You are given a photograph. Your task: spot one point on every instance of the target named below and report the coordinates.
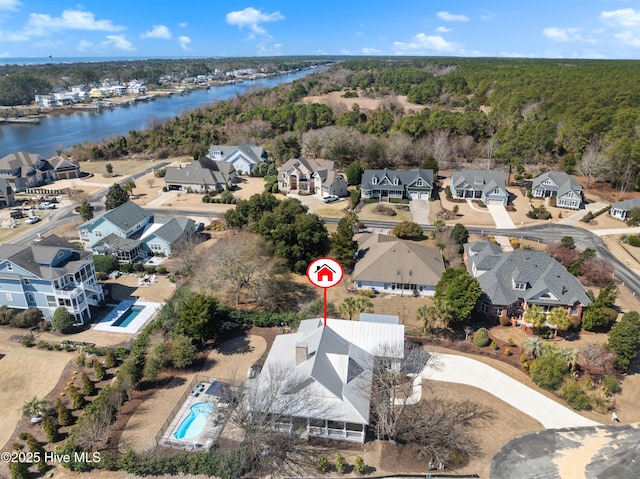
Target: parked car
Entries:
(330, 198)
(46, 206)
(31, 220)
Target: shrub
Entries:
(611, 384)
(138, 267)
(104, 263)
(110, 358)
(50, 429)
(481, 338)
(507, 351)
(359, 466)
(634, 240)
(548, 371)
(98, 368)
(322, 464)
(88, 386)
(575, 396)
(65, 418)
(27, 318)
(493, 345)
(539, 213)
(162, 269)
(6, 314)
(341, 464)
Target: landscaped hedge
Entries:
(481, 338)
(263, 319)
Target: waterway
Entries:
(61, 132)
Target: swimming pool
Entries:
(128, 316)
(195, 422)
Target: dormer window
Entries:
(396, 181)
(374, 181)
(419, 182)
(520, 286)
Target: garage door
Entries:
(495, 202)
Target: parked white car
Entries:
(330, 198)
(31, 220)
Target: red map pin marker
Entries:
(325, 273)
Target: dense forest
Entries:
(582, 116)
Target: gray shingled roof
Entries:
(172, 228)
(126, 215)
(28, 163)
(483, 180)
(564, 182)
(542, 274)
(203, 171)
(626, 205)
(388, 259)
(406, 178)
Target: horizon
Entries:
(590, 29)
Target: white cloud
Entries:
(628, 38)
(626, 17)
(182, 24)
(84, 45)
(119, 42)
(41, 23)
(452, 17)
(184, 42)
(9, 5)
(13, 37)
(345, 51)
(371, 51)
(158, 31)
(252, 18)
(422, 42)
(562, 34)
(443, 29)
(5, 55)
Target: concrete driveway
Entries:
(501, 217)
(463, 370)
(420, 211)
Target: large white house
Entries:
(328, 373)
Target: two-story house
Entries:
(559, 185)
(485, 185)
(130, 233)
(24, 170)
(243, 158)
(512, 281)
(387, 184)
(200, 176)
(47, 275)
(315, 176)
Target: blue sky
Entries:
(145, 29)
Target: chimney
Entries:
(302, 352)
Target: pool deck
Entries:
(150, 309)
(211, 431)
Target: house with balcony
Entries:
(487, 186)
(387, 184)
(305, 176)
(512, 281)
(131, 233)
(559, 185)
(324, 374)
(24, 170)
(47, 275)
(244, 158)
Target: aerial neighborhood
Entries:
(158, 309)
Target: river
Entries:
(63, 131)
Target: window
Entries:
(31, 298)
(395, 181)
(155, 247)
(484, 307)
(520, 286)
(419, 182)
(9, 297)
(98, 233)
(374, 181)
(26, 281)
(9, 267)
(498, 311)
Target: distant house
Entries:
(394, 266)
(621, 209)
(512, 281)
(200, 176)
(485, 185)
(130, 233)
(6, 193)
(65, 169)
(24, 170)
(244, 158)
(411, 184)
(328, 374)
(311, 177)
(559, 185)
(47, 275)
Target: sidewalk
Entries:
(460, 369)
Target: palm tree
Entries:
(129, 186)
(363, 305)
(34, 408)
(534, 315)
(569, 355)
(559, 319)
(348, 307)
(533, 347)
(426, 314)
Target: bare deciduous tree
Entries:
(441, 148)
(594, 163)
(185, 253)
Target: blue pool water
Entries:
(194, 423)
(129, 315)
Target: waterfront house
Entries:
(200, 176)
(24, 170)
(49, 274)
(244, 158)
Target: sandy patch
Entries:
(25, 373)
